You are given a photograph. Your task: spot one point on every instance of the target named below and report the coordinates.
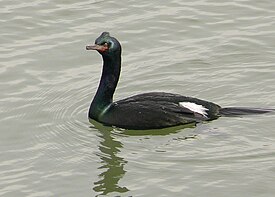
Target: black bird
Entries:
(152, 110)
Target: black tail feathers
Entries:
(239, 111)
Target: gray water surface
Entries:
(220, 51)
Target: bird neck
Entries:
(108, 82)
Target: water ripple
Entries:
(221, 51)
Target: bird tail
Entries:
(239, 111)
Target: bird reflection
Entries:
(111, 163)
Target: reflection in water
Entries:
(110, 162)
(158, 132)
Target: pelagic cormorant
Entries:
(152, 110)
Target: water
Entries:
(215, 50)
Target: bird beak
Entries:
(99, 48)
(94, 47)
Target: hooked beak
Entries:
(100, 48)
(93, 47)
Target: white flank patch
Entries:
(195, 108)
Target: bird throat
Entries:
(108, 82)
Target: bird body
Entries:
(152, 110)
(141, 111)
